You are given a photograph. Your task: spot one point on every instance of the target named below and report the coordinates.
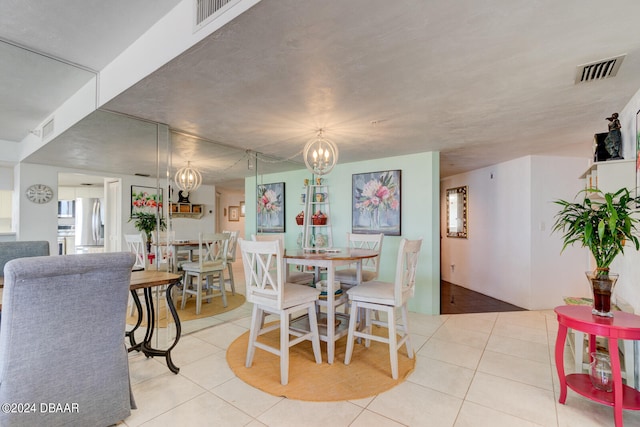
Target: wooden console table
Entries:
(625, 326)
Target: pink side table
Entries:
(625, 326)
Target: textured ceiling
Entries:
(481, 82)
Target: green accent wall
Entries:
(420, 198)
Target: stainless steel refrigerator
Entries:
(89, 225)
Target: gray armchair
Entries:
(62, 339)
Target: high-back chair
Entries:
(212, 262)
(370, 266)
(137, 246)
(269, 293)
(301, 278)
(21, 249)
(231, 257)
(62, 339)
(387, 297)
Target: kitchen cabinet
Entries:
(72, 193)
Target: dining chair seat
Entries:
(350, 275)
(379, 296)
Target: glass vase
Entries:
(602, 284)
(600, 371)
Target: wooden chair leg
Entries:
(405, 327)
(222, 289)
(315, 339)
(232, 284)
(257, 317)
(352, 330)
(185, 285)
(393, 343)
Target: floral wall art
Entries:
(145, 200)
(270, 209)
(376, 203)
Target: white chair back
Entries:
(212, 249)
(233, 242)
(368, 241)
(269, 237)
(262, 261)
(406, 266)
(137, 246)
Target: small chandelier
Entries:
(188, 179)
(320, 154)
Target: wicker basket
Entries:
(319, 221)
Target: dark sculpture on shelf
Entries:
(613, 141)
(182, 198)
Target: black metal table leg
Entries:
(131, 334)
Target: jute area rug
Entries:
(368, 374)
(212, 308)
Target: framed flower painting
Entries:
(270, 208)
(145, 200)
(375, 205)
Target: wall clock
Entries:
(39, 193)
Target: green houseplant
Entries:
(146, 223)
(602, 222)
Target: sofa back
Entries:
(13, 250)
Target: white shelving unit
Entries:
(317, 200)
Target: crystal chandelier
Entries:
(320, 154)
(188, 179)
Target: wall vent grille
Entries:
(599, 70)
(47, 129)
(207, 10)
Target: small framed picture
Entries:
(241, 208)
(234, 213)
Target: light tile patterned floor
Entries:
(489, 369)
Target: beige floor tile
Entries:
(363, 403)
(190, 349)
(524, 333)
(442, 376)
(473, 415)
(517, 369)
(205, 410)
(415, 405)
(245, 397)
(142, 368)
(208, 372)
(515, 347)
(515, 398)
(425, 324)
(462, 335)
(221, 336)
(482, 324)
(296, 413)
(450, 352)
(369, 419)
(159, 395)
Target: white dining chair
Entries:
(269, 293)
(231, 257)
(212, 262)
(136, 245)
(370, 266)
(299, 277)
(386, 297)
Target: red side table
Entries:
(625, 326)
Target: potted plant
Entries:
(146, 223)
(602, 222)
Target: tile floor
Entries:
(482, 369)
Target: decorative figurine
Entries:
(183, 199)
(613, 141)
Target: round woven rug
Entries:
(208, 309)
(368, 374)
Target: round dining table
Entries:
(330, 258)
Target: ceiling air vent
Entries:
(207, 10)
(47, 129)
(599, 70)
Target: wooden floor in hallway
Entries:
(455, 299)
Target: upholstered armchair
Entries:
(62, 340)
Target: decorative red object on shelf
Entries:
(319, 218)
(300, 218)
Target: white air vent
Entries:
(47, 129)
(207, 10)
(599, 70)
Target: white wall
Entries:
(507, 255)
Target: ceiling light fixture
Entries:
(320, 154)
(188, 179)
